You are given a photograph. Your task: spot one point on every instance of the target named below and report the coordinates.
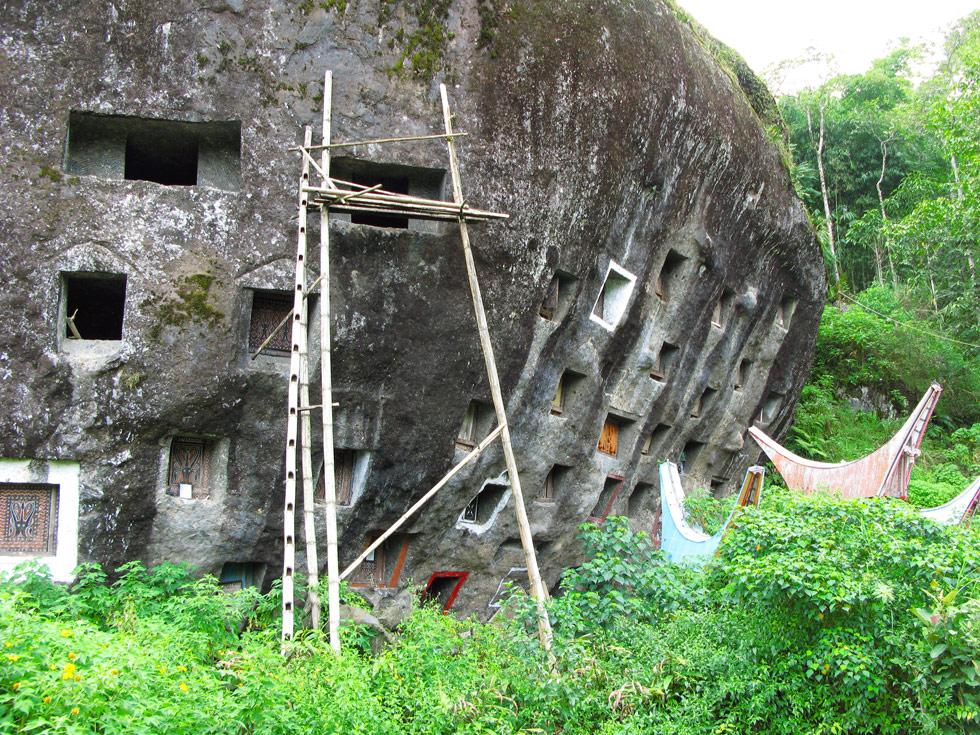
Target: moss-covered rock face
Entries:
(632, 163)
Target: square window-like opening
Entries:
(554, 483)
(703, 402)
(558, 296)
(742, 374)
(28, 519)
(607, 498)
(722, 308)
(269, 311)
(614, 296)
(477, 423)
(357, 174)
(664, 362)
(442, 589)
(692, 450)
(771, 407)
(349, 472)
(481, 509)
(784, 310)
(239, 575)
(94, 305)
(383, 566)
(168, 152)
(567, 391)
(189, 471)
(667, 279)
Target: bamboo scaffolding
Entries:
(292, 422)
(351, 144)
(306, 457)
(538, 591)
(326, 385)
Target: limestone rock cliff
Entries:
(632, 163)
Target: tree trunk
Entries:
(884, 214)
(818, 147)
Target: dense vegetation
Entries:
(819, 615)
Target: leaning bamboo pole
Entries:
(421, 501)
(538, 591)
(326, 386)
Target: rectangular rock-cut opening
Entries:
(614, 296)
(557, 298)
(414, 181)
(383, 566)
(718, 485)
(168, 152)
(95, 303)
(568, 391)
(667, 278)
(28, 519)
(664, 362)
(477, 423)
(554, 483)
(640, 499)
(239, 575)
(722, 308)
(771, 407)
(742, 374)
(692, 450)
(189, 472)
(610, 491)
(703, 402)
(442, 589)
(350, 474)
(655, 438)
(785, 309)
(481, 508)
(269, 308)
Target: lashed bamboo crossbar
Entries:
(353, 143)
(378, 201)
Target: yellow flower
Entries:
(68, 672)
(181, 668)
(16, 685)
(66, 634)
(78, 677)
(71, 656)
(74, 710)
(53, 667)
(46, 700)
(162, 669)
(183, 687)
(113, 672)
(12, 657)
(9, 644)
(758, 546)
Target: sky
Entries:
(854, 31)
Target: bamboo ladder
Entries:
(347, 197)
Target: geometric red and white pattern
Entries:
(28, 518)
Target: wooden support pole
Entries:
(292, 417)
(329, 481)
(421, 501)
(538, 591)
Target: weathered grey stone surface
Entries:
(605, 129)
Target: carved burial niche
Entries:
(350, 474)
(239, 575)
(554, 483)
(667, 279)
(480, 510)
(610, 491)
(664, 362)
(692, 450)
(394, 178)
(703, 402)
(615, 431)
(28, 519)
(614, 296)
(269, 308)
(168, 152)
(442, 589)
(557, 298)
(640, 499)
(189, 471)
(383, 566)
(477, 422)
(742, 374)
(566, 394)
(95, 304)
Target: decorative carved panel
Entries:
(28, 519)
